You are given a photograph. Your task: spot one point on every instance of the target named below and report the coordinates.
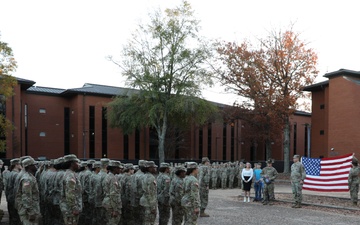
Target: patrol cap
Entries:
(205, 159)
(142, 162)
(91, 161)
(97, 164)
(14, 161)
(115, 163)
(28, 162)
(59, 160)
(164, 165)
(191, 165)
(22, 158)
(180, 168)
(136, 167)
(71, 157)
(296, 157)
(270, 161)
(150, 164)
(83, 164)
(129, 166)
(104, 161)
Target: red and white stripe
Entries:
(333, 177)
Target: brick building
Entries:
(335, 112)
(52, 122)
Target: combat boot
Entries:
(203, 214)
(298, 205)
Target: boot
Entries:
(203, 214)
(248, 200)
(298, 205)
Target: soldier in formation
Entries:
(204, 183)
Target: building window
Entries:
(91, 132)
(322, 106)
(322, 132)
(224, 141)
(200, 143)
(232, 147)
(42, 111)
(137, 144)
(42, 134)
(126, 146)
(295, 138)
(209, 140)
(104, 133)
(66, 130)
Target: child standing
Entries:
(258, 182)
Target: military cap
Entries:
(83, 164)
(91, 161)
(121, 165)
(180, 168)
(129, 166)
(71, 157)
(22, 158)
(142, 162)
(59, 160)
(270, 161)
(97, 164)
(191, 165)
(164, 165)
(296, 156)
(205, 159)
(104, 161)
(150, 164)
(28, 162)
(115, 163)
(14, 161)
(136, 167)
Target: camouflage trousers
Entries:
(126, 215)
(86, 215)
(177, 214)
(214, 182)
(71, 219)
(190, 216)
(224, 182)
(55, 216)
(269, 192)
(25, 220)
(354, 190)
(14, 218)
(110, 219)
(231, 181)
(164, 214)
(149, 215)
(204, 196)
(296, 188)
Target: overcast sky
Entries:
(63, 44)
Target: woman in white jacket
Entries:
(246, 176)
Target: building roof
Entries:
(317, 86)
(45, 90)
(96, 89)
(342, 72)
(302, 113)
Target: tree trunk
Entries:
(268, 149)
(287, 145)
(161, 136)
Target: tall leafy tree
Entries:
(7, 84)
(270, 75)
(166, 61)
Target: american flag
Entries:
(327, 174)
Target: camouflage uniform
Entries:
(239, 172)
(126, 187)
(55, 196)
(224, 176)
(137, 192)
(297, 177)
(232, 174)
(27, 198)
(269, 173)
(163, 195)
(84, 177)
(353, 182)
(176, 194)
(112, 197)
(191, 199)
(98, 192)
(148, 199)
(71, 198)
(204, 183)
(10, 194)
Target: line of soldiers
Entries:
(68, 191)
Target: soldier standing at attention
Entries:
(137, 192)
(15, 168)
(112, 194)
(71, 197)
(224, 175)
(297, 179)
(99, 215)
(353, 181)
(176, 194)
(149, 200)
(126, 216)
(191, 199)
(163, 194)
(269, 174)
(214, 176)
(27, 198)
(204, 182)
